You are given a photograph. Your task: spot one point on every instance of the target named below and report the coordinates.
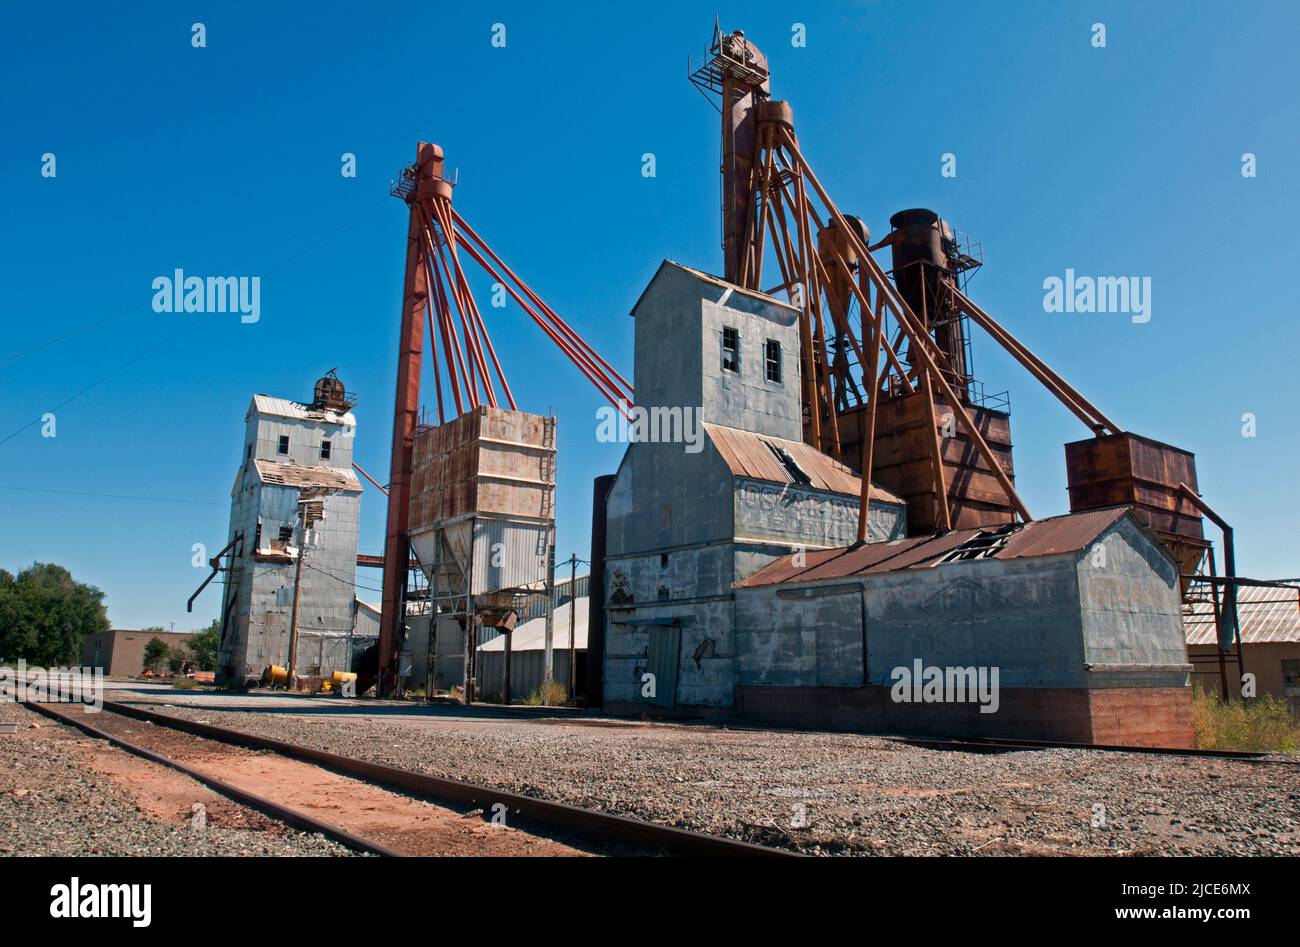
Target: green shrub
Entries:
(181, 682)
(550, 694)
(1264, 724)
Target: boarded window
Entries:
(286, 534)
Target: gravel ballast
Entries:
(56, 799)
(819, 793)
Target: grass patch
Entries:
(183, 683)
(550, 694)
(1263, 724)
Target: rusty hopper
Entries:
(485, 478)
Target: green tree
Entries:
(45, 615)
(203, 646)
(154, 654)
(176, 658)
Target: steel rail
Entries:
(589, 824)
(274, 810)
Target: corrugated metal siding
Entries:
(508, 554)
(1267, 616)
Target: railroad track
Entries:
(627, 835)
(1007, 745)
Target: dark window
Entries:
(248, 452)
(772, 359)
(286, 534)
(284, 443)
(663, 560)
(325, 449)
(730, 349)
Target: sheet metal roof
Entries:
(709, 278)
(300, 475)
(284, 408)
(1267, 616)
(531, 635)
(1048, 537)
(751, 455)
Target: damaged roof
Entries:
(759, 457)
(284, 408)
(300, 475)
(1072, 532)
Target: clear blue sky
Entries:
(225, 160)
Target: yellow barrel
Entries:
(339, 678)
(276, 674)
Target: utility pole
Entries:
(311, 510)
(573, 611)
(297, 589)
(548, 656)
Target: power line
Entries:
(332, 575)
(113, 496)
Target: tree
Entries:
(45, 615)
(154, 654)
(203, 646)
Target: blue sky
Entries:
(226, 160)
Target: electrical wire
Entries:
(113, 496)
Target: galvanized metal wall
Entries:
(258, 632)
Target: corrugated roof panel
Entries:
(284, 408)
(785, 570)
(751, 455)
(924, 554)
(1069, 533)
(1266, 615)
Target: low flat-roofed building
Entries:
(120, 651)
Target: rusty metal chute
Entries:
(466, 370)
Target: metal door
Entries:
(661, 660)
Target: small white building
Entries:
(528, 654)
(293, 452)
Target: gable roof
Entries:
(1072, 532)
(706, 278)
(752, 455)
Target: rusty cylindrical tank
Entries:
(918, 257)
